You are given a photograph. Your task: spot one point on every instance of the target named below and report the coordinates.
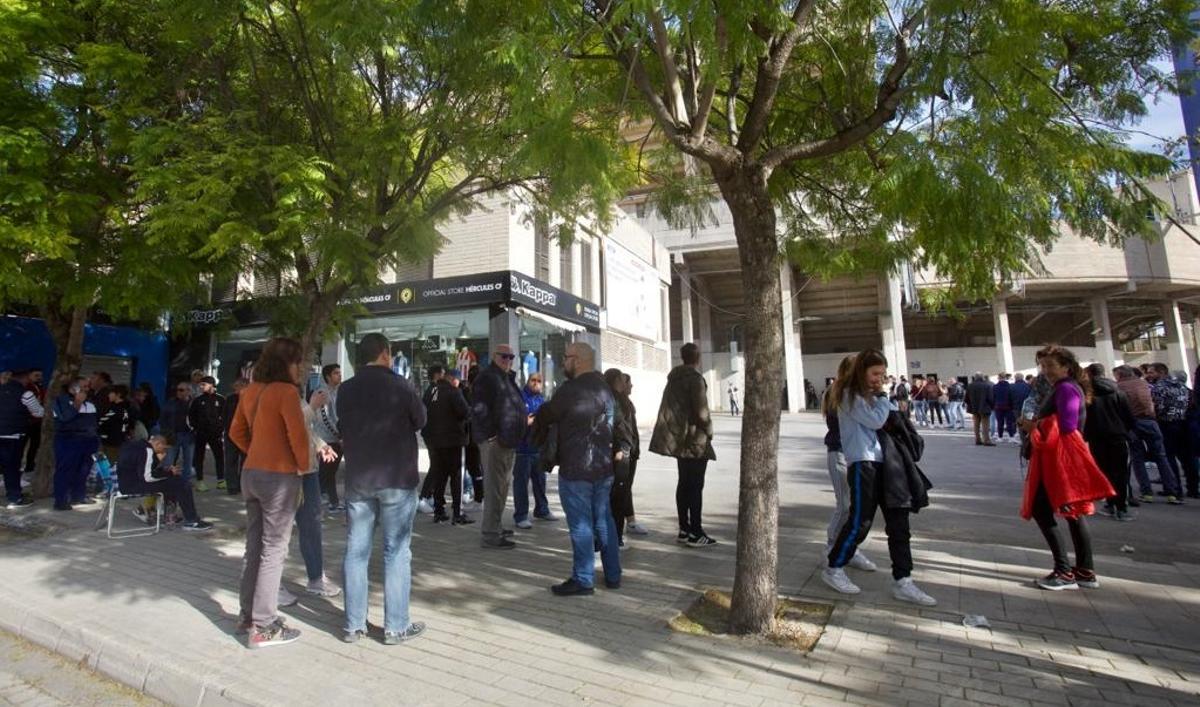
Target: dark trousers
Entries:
(621, 499)
(72, 463)
(689, 495)
(865, 482)
(10, 465)
(936, 409)
(1177, 440)
(234, 459)
(327, 473)
(34, 441)
(1043, 514)
(1149, 447)
(173, 489)
(1112, 456)
(474, 461)
(445, 464)
(213, 442)
(1006, 421)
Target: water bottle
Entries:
(103, 470)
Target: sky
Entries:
(1164, 120)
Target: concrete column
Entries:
(891, 328)
(1004, 352)
(1102, 329)
(504, 327)
(708, 363)
(793, 366)
(1177, 357)
(687, 333)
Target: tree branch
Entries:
(770, 72)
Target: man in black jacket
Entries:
(1107, 428)
(584, 414)
(207, 416)
(143, 469)
(445, 435)
(498, 424)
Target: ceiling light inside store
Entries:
(463, 332)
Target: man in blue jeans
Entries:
(583, 415)
(526, 470)
(379, 414)
(177, 428)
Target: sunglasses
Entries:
(507, 356)
(535, 380)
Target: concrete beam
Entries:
(1177, 357)
(1004, 352)
(793, 363)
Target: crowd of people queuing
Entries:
(1086, 437)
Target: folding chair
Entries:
(113, 493)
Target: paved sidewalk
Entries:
(158, 613)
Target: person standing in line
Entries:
(733, 400)
(309, 513)
(920, 404)
(583, 415)
(234, 459)
(1003, 411)
(862, 411)
(1147, 441)
(835, 461)
(498, 424)
(269, 428)
(206, 413)
(472, 458)
(148, 410)
(932, 393)
(379, 414)
(1107, 429)
(116, 424)
(1172, 398)
(628, 409)
(1019, 392)
(625, 440)
(956, 394)
(436, 373)
(445, 434)
(326, 427)
(100, 384)
(18, 407)
(76, 439)
(197, 377)
(903, 397)
(1063, 477)
(979, 405)
(175, 425)
(684, 430)
(526, 470)
(33, 384)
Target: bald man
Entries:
(583, 414)
(498, 425)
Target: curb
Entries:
(151, 675)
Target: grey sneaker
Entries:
(353, 636)
(1125, 516)
(274, 635)
(907, 590)
(837, 580)
(414, 629)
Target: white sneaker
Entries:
(637, 528)
(424, 506)
(861, 562)
(837, 579)
(286, 598)
(550, 515)
(525, 524)
(322, 587)
(907, 590)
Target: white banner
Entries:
(632, 289)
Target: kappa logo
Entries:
(407, 295)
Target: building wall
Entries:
(478, 241)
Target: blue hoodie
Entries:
(533, 402)
(860, 420)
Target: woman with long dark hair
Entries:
(863, 409)
(269, 427)
(836, 463)
(625, 451)
(1063, 477)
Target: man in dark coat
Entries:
(1109, 422)
(499, 420)
(979, 404)
(684, 431)
(445, 434)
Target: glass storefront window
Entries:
(422, 339)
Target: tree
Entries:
(857, 134)
(331, 139)
(77, 87)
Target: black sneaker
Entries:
(1133, 502)
(62, 506)
(461, 519)
(88, 501)
(701, 541)
(682, 538)
(1086, 578)
(198, 526)
(611, 584)
(441, 518)
(414, 629)
(500, 543)
(1057, 581)
(274, 635)
(571, 588)
(23, 503)
(1107, 509)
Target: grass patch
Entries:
(798, 624)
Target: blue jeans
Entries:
(308, 522)
(1149, 446)
(526, 470)
(922, 410)
(954, 415)
(590, 521)
(182, 453)
(72, 464)
(394, 510)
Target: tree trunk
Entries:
(321, 306)
(66, 329)
(755, 584)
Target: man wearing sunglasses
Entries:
(177, 428)
(498, 424)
